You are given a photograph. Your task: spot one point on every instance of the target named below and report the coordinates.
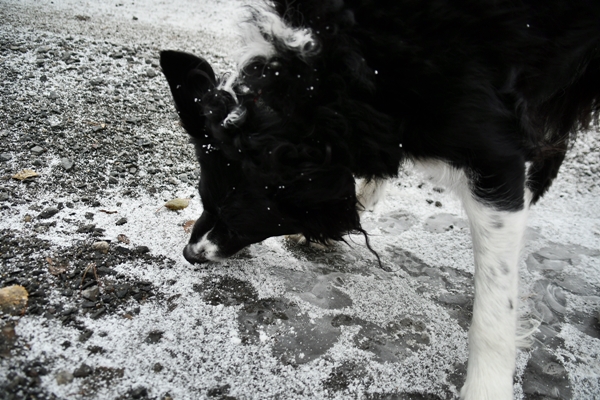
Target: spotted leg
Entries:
(497, 241)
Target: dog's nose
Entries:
(192, 257)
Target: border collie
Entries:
(487, 94)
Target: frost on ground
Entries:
(115, 312)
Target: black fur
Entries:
(484, 85)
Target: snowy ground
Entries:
(83, 104)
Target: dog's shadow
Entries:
(321, 280)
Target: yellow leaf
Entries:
(13, 300)
(177, 204)
(25, 174)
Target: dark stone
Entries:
(95, 350)
(83, 371)
(86, 228)
(122, 250)
(98, 313)
(218, 391)
(85, 336)
(142, 249)
(121, 221)
(48, 212)
(106, 270)
(139, 392)
(154, 337)
(69, 311)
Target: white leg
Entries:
(497, 242)
(369, 192)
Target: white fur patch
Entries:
(264, 27)
(235, 117)
(206, 248)
(258, 33)
(441, 173)
(261, 30)
(369, 193)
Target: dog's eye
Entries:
(309, 46)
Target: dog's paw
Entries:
(486, 391)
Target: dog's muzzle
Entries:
(192, 257)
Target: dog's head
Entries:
(279, 141)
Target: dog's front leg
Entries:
(369, 192)
(497, 241)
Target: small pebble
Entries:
(101, 246)
(157, 367)
(83, 371)
(91, 293)
(142, 249)
(64, 377)
(139, 392)
(98, 313)
(86, 228)
(48, 212)
(66, 163)
(88, 304)
(37, 150)
(154, 337)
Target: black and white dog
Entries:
(485, 93)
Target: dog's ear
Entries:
(189, 78)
